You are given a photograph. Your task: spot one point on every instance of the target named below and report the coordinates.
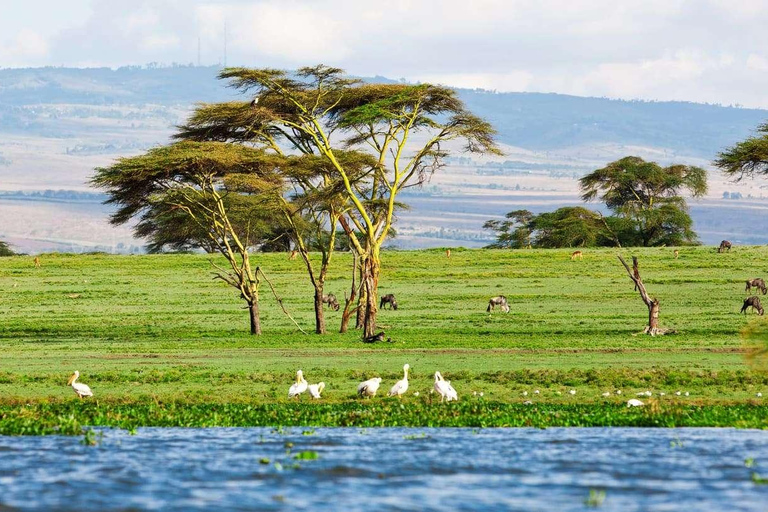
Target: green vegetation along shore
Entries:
(161, 343)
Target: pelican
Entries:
(299, 386)
(316, 389)
(444, 388)
(81, 390)
(634, 402)
(401, 386)
(369, 387)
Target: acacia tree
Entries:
(321, 112)
(5, 250)
(195, 179)
(746, 159)
(648, 195)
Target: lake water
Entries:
(388, 469)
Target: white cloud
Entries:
(26, 48)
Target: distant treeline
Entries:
(54, 195)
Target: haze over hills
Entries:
(57, 124)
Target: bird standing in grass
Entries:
(634, 402)
(316, 389)
(401, 386)
(299, 386)
(444, 388)
(369, 387)
(80, 389)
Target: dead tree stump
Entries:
(653, 304)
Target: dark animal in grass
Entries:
(500, 302)
(754, 303)
(756, 283)
(377, 337)
(388, 299)
(725, 245)
(331, 301)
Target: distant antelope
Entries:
(388, 299)
(577, 254)
(500, 301)
(448, 253)
(756, 283)
(754, 303)
(37, 261)
(725, 245)
(677, 254)
(293, 255)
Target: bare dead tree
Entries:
(653, 304)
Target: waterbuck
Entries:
(756, 283)
(388, 299)
(754, 303)
(725, 245)
(500, 301)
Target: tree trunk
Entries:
(371, 285)
(362, 300)
(348, 301)
(653, 316)
(319, 314)
(253, 309)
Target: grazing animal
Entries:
(577, 254)
(330, 299)
(756, 283)
(401, 386)
(448, 253)
(298, 387)
(444, 388)
(754, 303)
(677, 254)
(373, 338)
(388, 299)
(316, 389)
(293, 254)
(37, 261)
(369, 387)
(80, 390)
(500, 301)
(725, 245)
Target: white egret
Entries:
(686, 393)
(298, 387)
(401, 386)
(525, 393)
(759, 395)
(316, 389)
(527, 402)
(607, 394)
(678, 393)
(661, 393)
(618, 391)
(634, 402)
(80, 389)
(369, 387)
(644, 393)
(536, 392)
(573, 391)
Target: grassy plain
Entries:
(157, 331)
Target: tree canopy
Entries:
(5, 250)
(746, 159)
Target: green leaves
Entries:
(746, 159)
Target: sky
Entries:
(713, 51)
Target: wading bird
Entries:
(316, 389)
(369, 387)
(444, 388)
(401, 386)
(634, 402)
(80, 389)
(299, 386)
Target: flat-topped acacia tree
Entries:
(319, 111)
(195, 179)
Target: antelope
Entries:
(388, 299)
(37, 261)
(577, 254)
(725, 245)
(500, 301)
(448, 253)
(293, 255)
(754, 303)
(756, 283)
(331, 301)
(677, 254)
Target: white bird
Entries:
(686, 393)
(527, 402)
(444, 388)
(661, 393)
(759, 395)
(316, 389)
(481, 393)
(415, 393)
(401, 386)
(573, 391)
(80, 389)
(369, 387)
(607, 393)
(678, 393)
(644, 393)
(536, 392)
(634, 402)
(298, 387)
(618, 391)
(525, 393)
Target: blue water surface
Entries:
(386, 469)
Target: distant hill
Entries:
(528, 120)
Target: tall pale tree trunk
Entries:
(319, 313)
(253, 310)
(371, 284)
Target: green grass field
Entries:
(158, 329)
